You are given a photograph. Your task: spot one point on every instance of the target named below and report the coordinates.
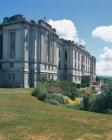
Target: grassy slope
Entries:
(22, 117)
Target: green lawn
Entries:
(22, 117)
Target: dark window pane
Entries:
(12, 44)
(13, 76)
(1, 46)
(11, 65)
(0, 66)
(65, 54)
(59, 53)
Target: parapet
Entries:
(18, 17)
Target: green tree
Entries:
(103, 102)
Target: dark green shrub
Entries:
(103, 102)
(87, 103)
(54, 98)
(98, 104)
(69, 89)
(40, 91)
(78, 85)
(87, 85)
(83, 85)
(43, 78)
(53, 91)
(86, 95)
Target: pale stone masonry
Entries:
(30, 50)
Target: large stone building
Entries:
(29, 50)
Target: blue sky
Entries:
(86, 15)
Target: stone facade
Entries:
(77, 62)
(29, 50)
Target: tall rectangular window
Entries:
(75, 55)
(65, 55)
(1, 46)
(0, 66)
(65, 66)
(12, 45)
(13, 76)
(59, 53)
(78, 56)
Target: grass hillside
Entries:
(22, 117)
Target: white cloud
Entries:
(103, 32)
(66, 29)
(104, 65)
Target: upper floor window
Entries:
(65, 55)
(1, 46)
(79, 56)
(12, 44)
(75, 55)
(59, 53)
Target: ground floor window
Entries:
(0, 66)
